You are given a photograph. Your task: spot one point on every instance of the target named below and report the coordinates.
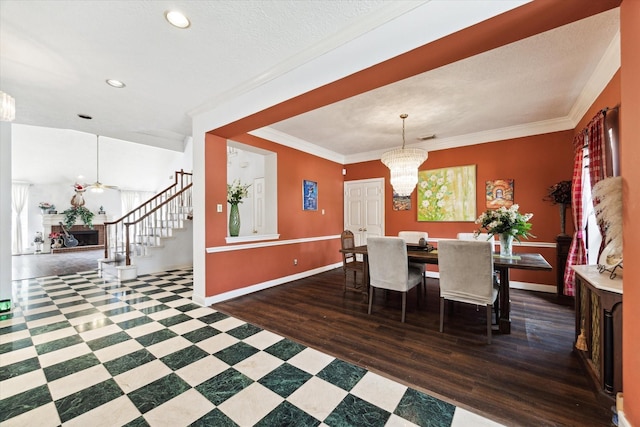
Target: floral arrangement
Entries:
(237, 191)
(54, 235)
(45, 205)
(559, 193)
(505, 220)
(72, 213)
(79, 187)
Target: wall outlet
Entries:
(219, 207)
(295, 262)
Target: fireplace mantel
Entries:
(54, 220)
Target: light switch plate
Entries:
(219, 207)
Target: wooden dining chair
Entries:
(350, 261)
(466, 275)
(389, 268)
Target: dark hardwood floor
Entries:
(527, 378)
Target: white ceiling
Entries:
(56, 55)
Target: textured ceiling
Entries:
(56, 55)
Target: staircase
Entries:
(155, 236)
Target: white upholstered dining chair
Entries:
(482, 237)
(466, 275)
(389, 268)
(413, 237)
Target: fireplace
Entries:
(88, 239)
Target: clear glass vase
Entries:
(234, 220)
(506, 244)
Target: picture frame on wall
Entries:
(309, 195)
(447, 194)
(401, 203)
(499, 193)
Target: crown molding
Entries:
(285, 139)
(518, 131)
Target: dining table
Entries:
(502, 264)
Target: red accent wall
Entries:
(630, 156)
(233, 270)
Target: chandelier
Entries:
(403, 164)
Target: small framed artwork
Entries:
(309, 195)
(499, 193)
(401, 203)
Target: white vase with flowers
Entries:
(508, 224)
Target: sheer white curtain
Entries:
(19, 197)
(128, 199)
(131, 199)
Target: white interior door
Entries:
(364, 208)
(258, 206)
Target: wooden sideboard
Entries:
(598, 309)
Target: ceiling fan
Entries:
(98, 187)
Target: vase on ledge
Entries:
(234, 220)
(506, 244)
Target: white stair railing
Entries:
(134, 233)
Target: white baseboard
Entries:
(622, 420)
(264, 285)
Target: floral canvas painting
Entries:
(447, 194)
(499, 193)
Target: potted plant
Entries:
(560, 194)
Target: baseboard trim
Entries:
(622, 420)
(264, 285)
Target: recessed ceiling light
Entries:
(177, 19)
(85, 116)
(115, 83)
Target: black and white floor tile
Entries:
(82, 350)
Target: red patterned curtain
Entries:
(594, 134)
(597, 161)
(577, 249)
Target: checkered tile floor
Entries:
(82, 350)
